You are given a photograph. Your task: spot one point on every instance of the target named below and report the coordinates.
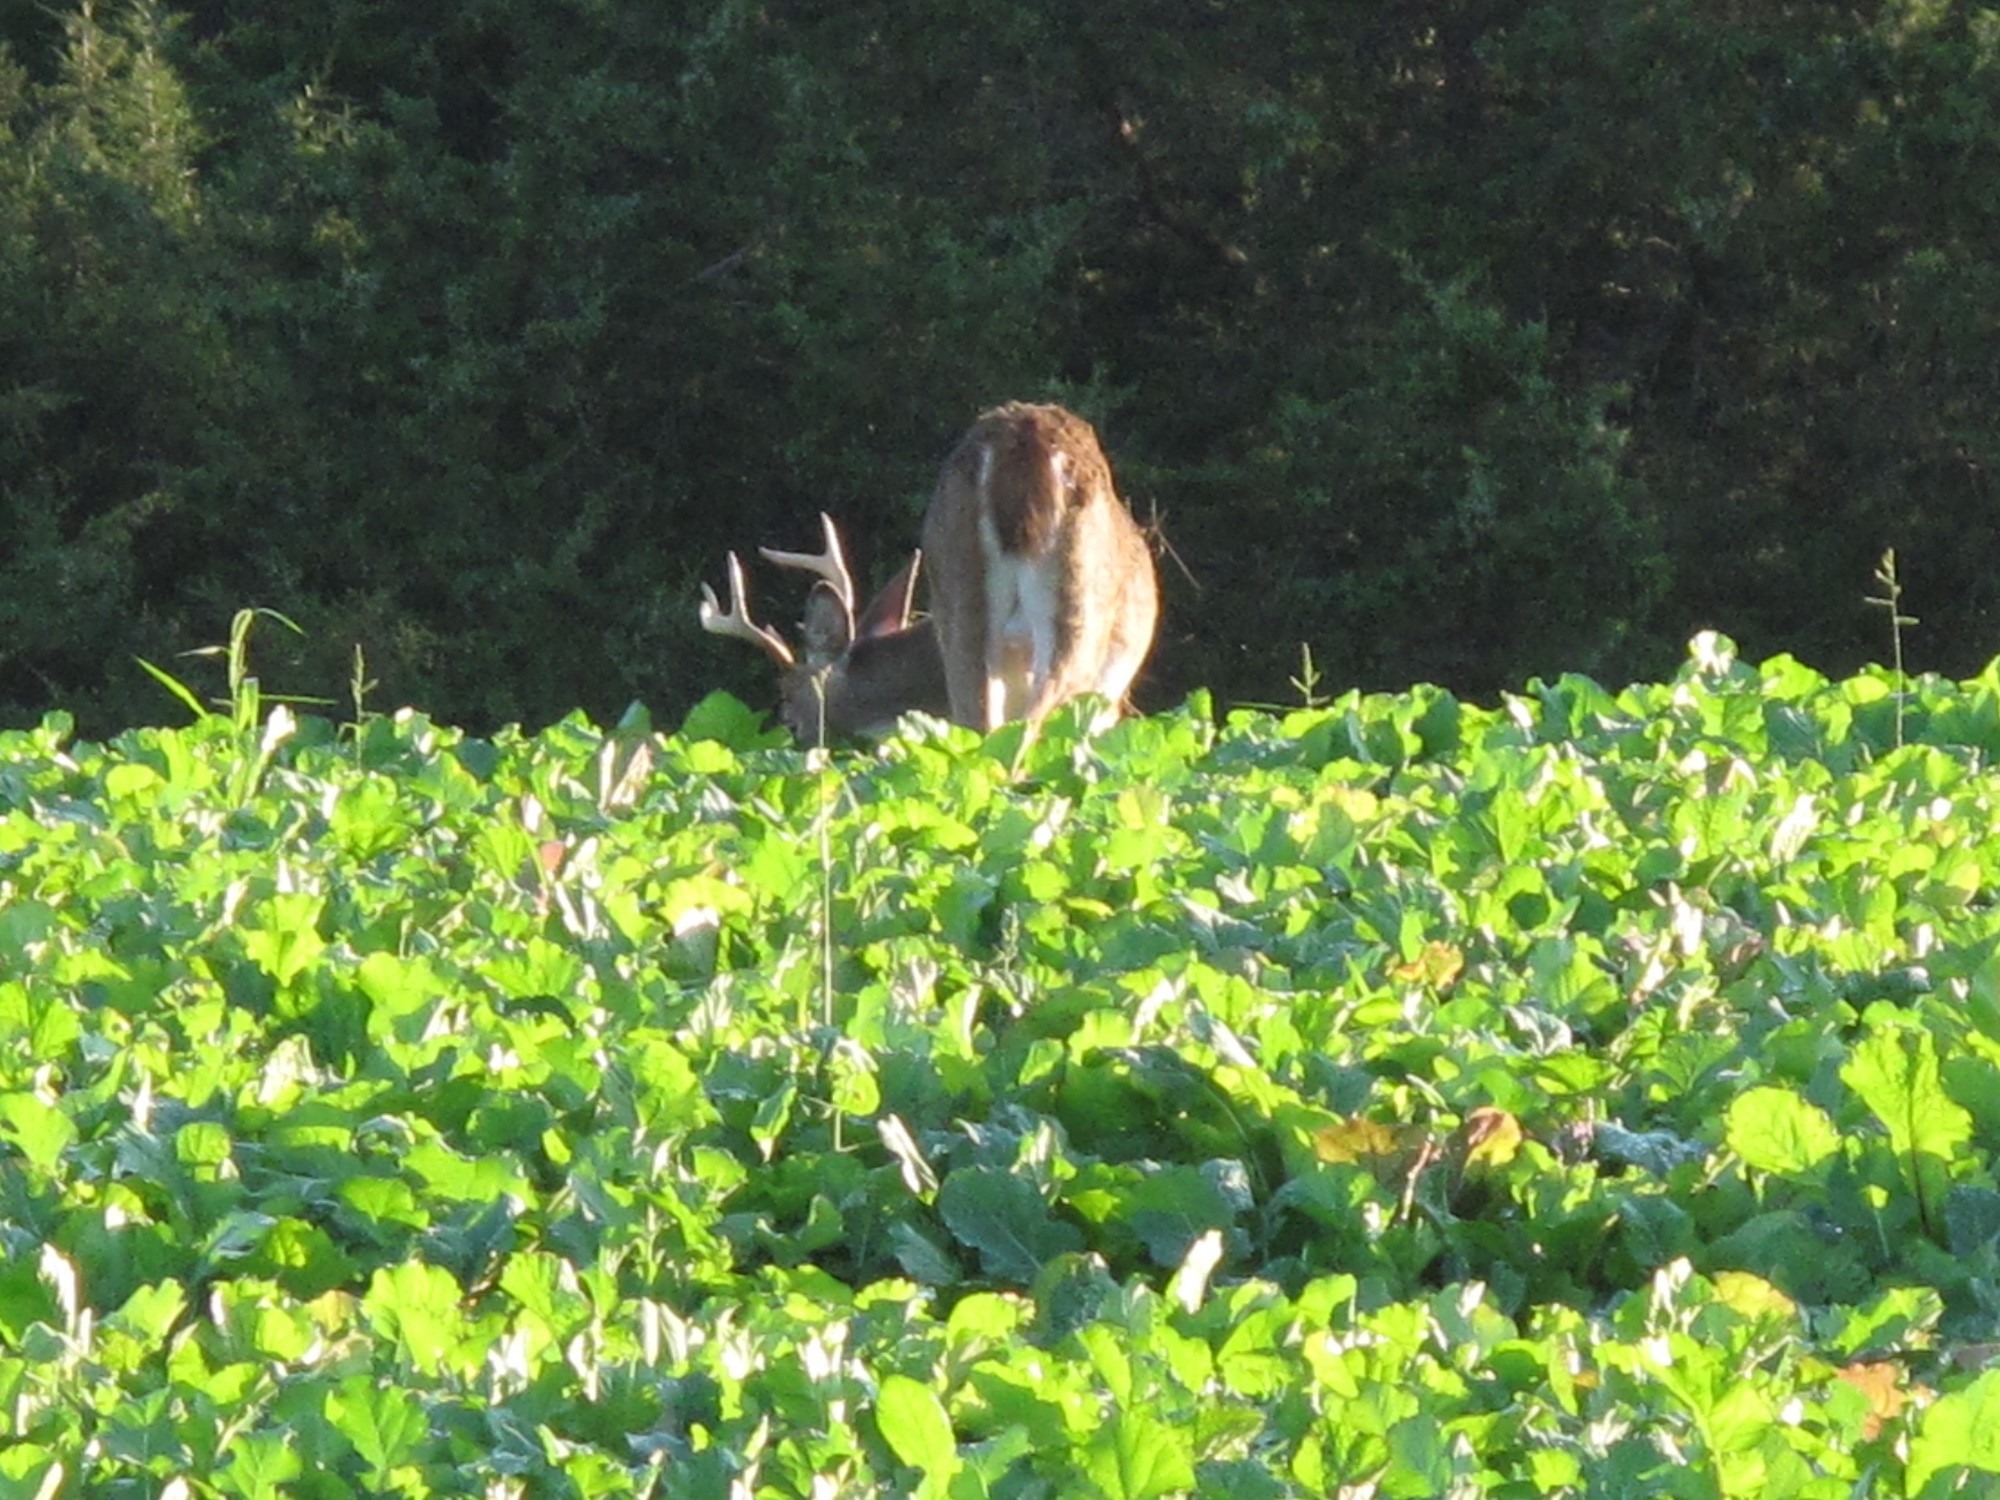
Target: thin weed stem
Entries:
(1891, 599)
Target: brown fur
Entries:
(1061, 531)
(1029, 499)
(1026, 496)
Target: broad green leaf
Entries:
(1111, 1356)
(26, 1298)
(1894, 1319)
(1138, 1458)
(666, 1089)
(368, 818)
(725, 719)
(450, 1175)
(774, 1114)
(920, 1259)
(851, 1079)
(1740, 1419)
(1896, 1074)
(281, 934)
(150, 1311)
(1959, 1430)
(1752, 1296)
(259, 1465)
(1005, 1220)
(545, 1286)
(1420, 1457)
(417, 1307)
(1774, 1130)
(30, 1471)
(202, 1143)
(130, 781)
(986, 1317)
(384, 1424)
(914, 1424)
(400, 987)
(38, 1130)
(388, 1199)
(302, 1257)
(1972, 1220)
(23, 926)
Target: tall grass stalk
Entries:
(1891, 599)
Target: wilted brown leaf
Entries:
(1882, 1383)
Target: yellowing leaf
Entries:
(1354, 1142)
(1358, 803)
(1490, 1138)
(1752, 1296)
(1437, 966)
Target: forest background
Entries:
(1459, 340)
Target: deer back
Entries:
(1042, 585)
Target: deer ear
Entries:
(889, 611)
(826, 627)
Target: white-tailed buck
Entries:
(856, 675)
(1041, 583)
(1041, 589)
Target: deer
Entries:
(1042, 584)
(1041, 589)
(857, 674)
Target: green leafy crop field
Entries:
(1592, 1096)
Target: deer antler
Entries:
(736, 621)
(830, 564)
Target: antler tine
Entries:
(830, 564)
(736, 621)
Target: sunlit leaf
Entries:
(1138, 1458)
(383, 1424)
(914, 1424)
(417, 1306)
(259, 1465)
(1959, 1430)
(1489, 1138)
(1896, 1074)
(37, 1129)
(1774, 1130)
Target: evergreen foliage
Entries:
(1458, 340)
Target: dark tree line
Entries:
(1452, 339)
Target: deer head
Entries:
(1041, 583)
(855, 675)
